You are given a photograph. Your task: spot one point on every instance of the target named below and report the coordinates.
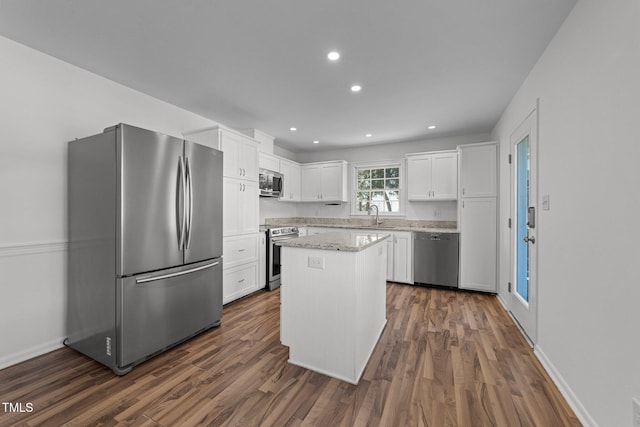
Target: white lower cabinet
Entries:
(402, 257)
(239, 281)
(241, 263)
(390, 258)
(262, 261)
(478, 244)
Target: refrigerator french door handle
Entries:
(190, 204)
(148, 279)
(183, 192)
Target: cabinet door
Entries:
(239, 281)
(230, 146)
(248, 161)
(240, 250)
(478, 170)
(231, 224)
(403, 258)
(390, 258)
(331, 182)
(478, 243)
(311, 184)
(248, 211)
(419, 177)
(291, 188)
(267, 161)
(262, 260)
(444, 176)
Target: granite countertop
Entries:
(349, 241)
(383, 227)
(366, 224)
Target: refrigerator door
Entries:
(150, 200)
(165, 308)
(203, 167)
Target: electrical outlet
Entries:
(316, 262)
(636, 411)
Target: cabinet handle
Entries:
(463, 191)
(240, 171)
(240, 250)
(241, 280)
(240, 187)
(244, 187)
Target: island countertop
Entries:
(349, 241)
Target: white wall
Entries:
(588, 84)
(44, 104)
(439, 211)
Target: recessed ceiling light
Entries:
(432, 127)
(356, 88)
(293, 129)
(316, 142)
(368, 135)
(333, 56)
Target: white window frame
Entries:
(376, 165)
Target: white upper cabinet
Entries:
(240, 151)
(240, 156)
(269, 161)
(324, 182)
(478, 170)
(432, 176)
(291, 183)
(240, 207)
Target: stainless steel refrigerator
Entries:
(145, 254)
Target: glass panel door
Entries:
(524, 143)
(522, 231)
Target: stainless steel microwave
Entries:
(270, 183)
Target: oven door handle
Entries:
(279, 239)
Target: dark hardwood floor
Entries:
(445, 358)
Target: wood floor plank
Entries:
(445, 358)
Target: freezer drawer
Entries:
(165, 308)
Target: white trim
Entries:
(31, 248)
(568, 394)
(31, 352)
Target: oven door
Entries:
(273, 260)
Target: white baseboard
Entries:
(39, 350)
(503, 303)
(565, 390)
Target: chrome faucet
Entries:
(369, 213)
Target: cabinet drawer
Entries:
(238, 282)
(239, 250)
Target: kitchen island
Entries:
(333, 300)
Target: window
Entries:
(379, 186)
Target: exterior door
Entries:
(203, 167)
(523, 233)
(150, 200)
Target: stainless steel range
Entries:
(275, 235)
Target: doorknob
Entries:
(531, 239)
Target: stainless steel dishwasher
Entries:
(435, 259)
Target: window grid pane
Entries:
(379, 187)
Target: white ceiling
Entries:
(263, 63)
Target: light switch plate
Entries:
(545, 202)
